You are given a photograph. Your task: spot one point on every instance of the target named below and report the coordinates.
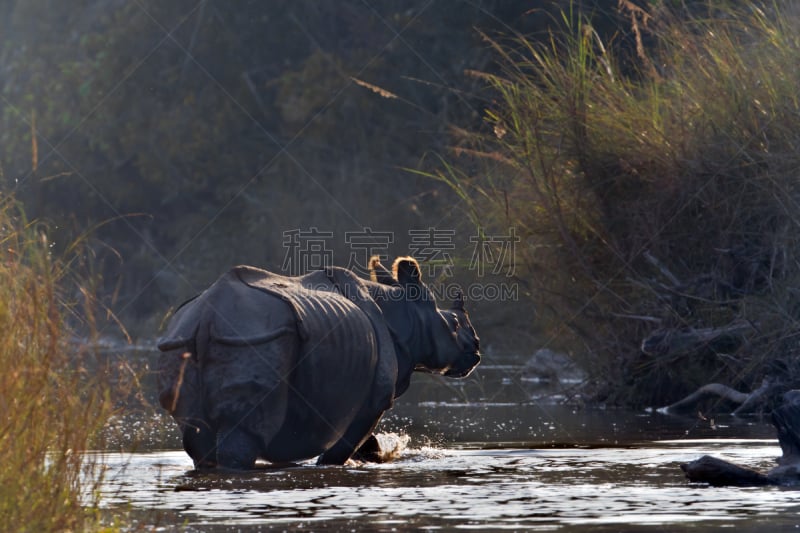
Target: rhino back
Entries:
(289, 364)
(228, 310)
(251, 346)
(332, 380)
(240, 343)
(340, 285)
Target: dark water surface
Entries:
(485, 454)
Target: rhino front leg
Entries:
(180, 394)
(199, 441)
(356, 435)
(369, 451)
(236, 448)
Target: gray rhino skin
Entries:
(288, 368)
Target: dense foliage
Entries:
(656, 193)
(199, 132)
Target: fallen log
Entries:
(747, 402)
(717, 472)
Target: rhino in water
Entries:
(263, 366)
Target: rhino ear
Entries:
(406, 270)
(379, 273)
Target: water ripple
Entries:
(512, 488)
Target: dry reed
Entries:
(52, 405)
(654, 184)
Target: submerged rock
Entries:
(718, 472)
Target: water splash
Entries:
(392, 445)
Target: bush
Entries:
(654, 183)
(51, 406)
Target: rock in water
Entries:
(718, 472)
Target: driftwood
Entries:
(718, 472)
(747, 402)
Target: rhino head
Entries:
(430, 339)
(468, 341)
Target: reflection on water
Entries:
(566, 488)
(477, 460)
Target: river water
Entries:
(488, 453)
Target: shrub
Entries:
(51, 406)
(654, 183)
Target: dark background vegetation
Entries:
(189, 136)
(198, 132)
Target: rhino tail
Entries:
(169, 395)
(179, 379)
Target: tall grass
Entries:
(51, 405)
(655, 182)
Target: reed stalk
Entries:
(53, 403)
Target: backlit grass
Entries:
(51, 406)
(654, 179)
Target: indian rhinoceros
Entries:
(264, 366)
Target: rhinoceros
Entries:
(278, 368)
